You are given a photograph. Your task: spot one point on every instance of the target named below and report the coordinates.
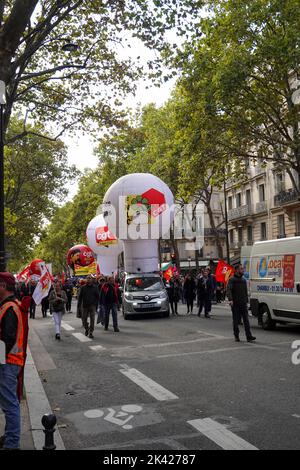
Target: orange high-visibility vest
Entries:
(16, 355)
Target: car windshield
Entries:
(136, 284)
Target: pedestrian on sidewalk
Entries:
(57, 301)
(237, 293)
(89, 296)
(205, 290)
(110, 300)
(12, 334)
(189, 289)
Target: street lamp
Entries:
(2, 242)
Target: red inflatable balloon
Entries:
(81, 255)
(36, 267)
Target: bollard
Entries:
(49, 422)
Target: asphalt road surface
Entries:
(173, 384)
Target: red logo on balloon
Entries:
(156, 200)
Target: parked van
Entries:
(144, 293)
(275, 281)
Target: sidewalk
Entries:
(26, 434)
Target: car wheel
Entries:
(266, 321)
(126, 316)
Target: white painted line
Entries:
(97, 348)
(81, 337)
(296, 416)
(219, 434)
(213, 351)
(38, 405)
(67, 327)
(147, 384)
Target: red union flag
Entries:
(104, 236)
(43, 287)
(224, 272)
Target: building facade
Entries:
(266, 207)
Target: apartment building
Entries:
(265, 207)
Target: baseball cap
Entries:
(8, 278)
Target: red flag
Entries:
(224, 272)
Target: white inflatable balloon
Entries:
(139, 210)
(105, 244)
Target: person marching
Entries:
(110, 300)
(174, 294)
(205, 289)
(12, 334)
(237, 293)
(189, 289)
(57, 301)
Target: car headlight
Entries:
(128, 296)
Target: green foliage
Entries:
(36, 171)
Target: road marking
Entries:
(97, 348)
(220, 435)
(67, 327)
(82, 338)
(147, 384)
(296, 416)
(213, 351)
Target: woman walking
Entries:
(57, 300)
(189, 289)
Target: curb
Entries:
(38, 405)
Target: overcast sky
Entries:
(81, 146)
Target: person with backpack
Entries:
(12, 335)
(57, 301)
(110, 300)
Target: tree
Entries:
(249, 57)
(48, 85)
(35, 173)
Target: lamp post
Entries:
(226, 222)
(2, 231)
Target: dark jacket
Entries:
(189, 289)
(9, 326)
(237, 290)
(109, 294)
(173, 290)
(205, 287)
(88, 295)
(57, 305)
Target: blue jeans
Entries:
(9, 404)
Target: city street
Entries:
(175, 384)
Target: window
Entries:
(281, 226)
(249, 233)
(240, 234)
(239, 200)
(231, 237)
(248, 197)
(279, 182)
(297, 220)
(263, 231)
(261, 191)
(230, 202)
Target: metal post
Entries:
(49, 421)
(2, 231)
(226, 224)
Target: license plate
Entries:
(146, 305)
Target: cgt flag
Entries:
(43, 287)
(224, 272)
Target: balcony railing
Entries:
(285, 197)
(240, 212)
(261, 207)
(214, 232)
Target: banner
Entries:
(86, 270)
(224, 272)
(289, 271)
(43, 287)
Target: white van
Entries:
(275, 281)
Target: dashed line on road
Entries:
(148, 385)
(97, 348)
(220, 435)
(67, 327)
(82, 338)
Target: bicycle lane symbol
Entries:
(119, 418)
